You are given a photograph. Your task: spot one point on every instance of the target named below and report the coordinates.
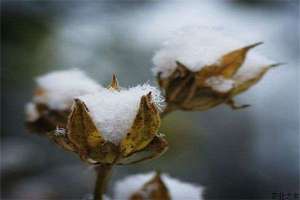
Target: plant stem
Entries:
(103, 174)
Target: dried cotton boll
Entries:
(58, 89)
(153, 186)
(53, 99)
(115, 126)
(114, 111)
(199, 68)
(195, 47)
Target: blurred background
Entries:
(247, 154)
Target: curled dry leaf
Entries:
(188, 90)
(155, 189)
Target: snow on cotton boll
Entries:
(54, 96)
(155, 186)
(58, 89)
(115, 126)
(200, 68)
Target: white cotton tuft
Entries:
(178, 190)
(113, 112)
(61, 87)
(195, 47)
(220, 84)
(31, 112)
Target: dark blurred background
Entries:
(247, 154)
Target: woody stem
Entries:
(103, 175)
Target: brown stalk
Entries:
(103, 174)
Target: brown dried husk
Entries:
(141, 142)
(187, 90)
(49, 119)
(155, 189)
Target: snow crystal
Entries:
(178, 190)
(59, 88)
(195, 47)
(219, 84)
(114, 111)
(31, 112)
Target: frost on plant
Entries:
(201, 68)
(54, 96)
(155, 186)
(115, 126)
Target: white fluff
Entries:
(197, 47)
(178, 190)
(114, 111)
(220, 84)
(61, 87)
(31, 112)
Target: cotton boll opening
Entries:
(59, 88)
(113, 112)
(178, 190)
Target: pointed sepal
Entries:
(114, 85)
(155, 189)
(144, 128)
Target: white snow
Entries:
(197, 47)
(31, 112)
(220, 84)
(178, 190)
(252, 66)
(61, 87)
(114, 111)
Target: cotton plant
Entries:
(200, 67)
(155, 186)
(197, 69)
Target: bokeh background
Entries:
(247, 154)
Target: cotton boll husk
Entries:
(196, 47)
(114, 111)
(59, 88)
(178, 190)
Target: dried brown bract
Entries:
(203, 89)
(46, 119)
(155, 189)
(141, 142)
